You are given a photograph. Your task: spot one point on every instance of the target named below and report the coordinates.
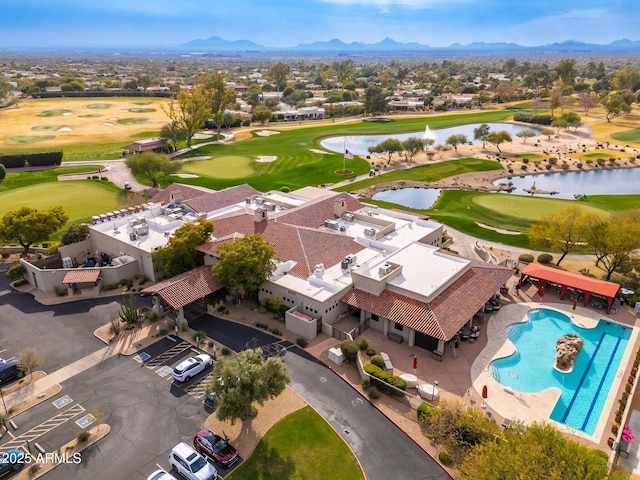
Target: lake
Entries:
(359, 144)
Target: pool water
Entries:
(586, 388)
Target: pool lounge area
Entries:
(539, 406)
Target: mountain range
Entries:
(216, 44)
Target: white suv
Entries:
(191, 366)
(190, 464)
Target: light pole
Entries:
(433, 392)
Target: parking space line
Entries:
(172, 352)
(198, 389)
(43, 428)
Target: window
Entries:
(375, 317)
(398, 326)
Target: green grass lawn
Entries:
(81, 199)
(300, 446)
(632, 135)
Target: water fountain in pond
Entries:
(428, 134)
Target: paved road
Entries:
(383, 449)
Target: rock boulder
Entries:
(567, 349)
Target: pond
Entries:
(359, 144)
(410, 197)
(622, 181)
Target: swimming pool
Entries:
(586, 388)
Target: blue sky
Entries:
(282, 23)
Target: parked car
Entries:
(10, 369)
(192, 366)
(161, 475)
(11, 461)
(190, 464)
(127, 186)
(215, 447)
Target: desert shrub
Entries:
(424, 411)
(110, 286)
(200, 336)
(377, 361)
(276, 331)
(349, 350)
(163, 331)
(363, 343)
(553, 160)
(221, 309)
(526, 257)
(285, 189)
(445, 459)
(385, 380)
(83, 436)
(302, 342)
(525, 160)
(15, 272)
(371, 390)
(371, 352)
(225, 351)
(545, 258)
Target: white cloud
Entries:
(383, 4)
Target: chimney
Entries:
(260, 214)
(339, 207)
(175, 197)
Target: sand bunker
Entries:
(315, 150)
(113, 118)
(499, 230)
(65, 129)
(266, 158)
(201, 136)
(266, 133)
(67, 114)
(107, 124)
(184, 175)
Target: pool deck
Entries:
(531, 407)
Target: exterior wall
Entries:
(113, 247)
(300, 326)
(75, 249)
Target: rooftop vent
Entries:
(259, 200)
(347, 217)
(351, 258)
(331, 224)
(369, 232)
(269, 206)
(385, 269)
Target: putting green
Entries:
(69, 194)
(28, 139)
(142, 110)
(632, 135)
(524, 207)
(53, 113)
(226, 166)
(132, 121)
(46, 128)
(142, 103)
(98, 106)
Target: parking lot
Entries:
(147, 411)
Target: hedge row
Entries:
(100, 93)
(33, 159)
(385, 380)
(537, 119)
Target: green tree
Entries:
(496, 138)
(261, 114)
(615, 105)
(28, 225)
(221, 96)
(572, 120)
(627, 78)
(193, 109)
(278, 74)
(587, 101)
(75, 233)
(412, 146)
(525, 134)
(455, 140)
(245, 264)
(145, 82)
(151, 166)
(563, 231)
(246, 379)
(389, 147)
(566, 71)
(374, 100)
(482, 133)
(180, 254)
(5, 89)
(614, 240)
(540, 451)
(3, 172)
(174, 133)
(555, 98)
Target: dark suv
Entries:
(10, 369)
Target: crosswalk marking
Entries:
(172, 352)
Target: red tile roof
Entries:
(185, 288)
(81, 275)
(317, 211)
(449, 311)
(223, 198)
(186, 191)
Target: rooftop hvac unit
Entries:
(133, 236)
(259, 201)
(248, 200)
(269, 206)
(370, 232)
(344, 264)
(351, 258)
(347, 217)
(331, 224)
(385, 269)
(67, 262)
(343, 228)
